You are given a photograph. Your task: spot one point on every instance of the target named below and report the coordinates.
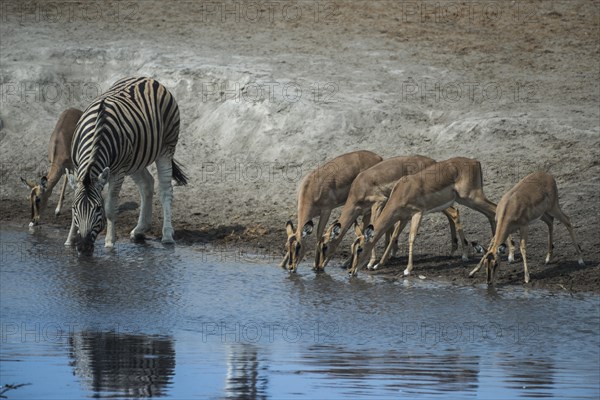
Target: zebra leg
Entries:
(145, 183)
(110, 208)
(165, 172)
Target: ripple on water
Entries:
(189, 321)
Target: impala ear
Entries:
(307, 229)
(71, 178)
(103, 177)
(335, 231)
(27, 183)
(478, 248)
(289, 228)
(369, 233)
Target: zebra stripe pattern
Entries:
(123, 131)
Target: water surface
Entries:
(202, 322)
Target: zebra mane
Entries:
(100, 121)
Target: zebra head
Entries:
(88, 211)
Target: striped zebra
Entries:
(123, 131)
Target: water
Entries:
(201, 322)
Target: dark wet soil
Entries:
(265, 241)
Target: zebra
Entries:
(123, 131)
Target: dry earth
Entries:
(270, 90)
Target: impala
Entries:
(368, 195)
(535, 196)
(432, 189)
(59, 155)
(320, 191)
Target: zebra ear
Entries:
(103, 177)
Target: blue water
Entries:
(205, 322)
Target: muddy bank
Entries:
(264, 243)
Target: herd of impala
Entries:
(390, 193)
(387, 194)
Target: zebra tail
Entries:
(178, 175)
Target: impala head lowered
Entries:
(323, 245)
(358, 245)
(293, 246)
(88, 211)
(37, 198)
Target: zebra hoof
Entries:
(167, 236)
(137, 237)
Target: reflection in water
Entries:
(246, 373)
(353, 341)
(130, 365)
(534, 376)
(396, 371)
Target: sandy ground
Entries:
(270, 90)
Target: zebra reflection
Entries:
(122, 364)
(246, 373)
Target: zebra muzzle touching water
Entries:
(134, 124)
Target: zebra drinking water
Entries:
(123, 131)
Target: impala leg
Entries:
(323, 218)
(453, 216)
(491, 249)
(285, 260)
(511, 248)
(414, 228)
(72, 232)
(110, 208)
(549, 220)
(164, 169)
(366, 220)
(145, 184)
(394, 239)
(558, 214)
(398, 228)
(523, 233)
(61, 196)
(375, 211)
